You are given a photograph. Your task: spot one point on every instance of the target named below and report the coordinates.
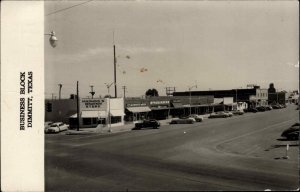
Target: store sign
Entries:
(136, 104)
(159, 103)
(92, 104)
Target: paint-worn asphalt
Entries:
(239, 153)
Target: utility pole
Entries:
(78, 108)
(92, 92)
(115, 62)
(115, 72)
(124, 90)
(52, 96)
(59, 95)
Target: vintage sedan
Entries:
(228, 113)
(57, 127)
(251, 110)
(290, 130)
(261, 109)
(219, 114)
(237, 112)
(47, 125)
(182, 121)
(293, 135)
(147, 123)
(197, 118)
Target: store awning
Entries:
(90, 114)
(177, 105)
(138, 109)
(118, 112)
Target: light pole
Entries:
(60, 86)
(92, 92)
(108, 86)
(53, 42)
(190, 90)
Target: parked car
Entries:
(293, 135)
(228, 113)
(290, 130)
(182, 121)
(268, 108)
(237, 112)
(57, 127)
(251, 110)
(196, 117)
(261, 109)
(219, 114)
(276, 106)
(47, 125)
(282, 105)
(147, 123)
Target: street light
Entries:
(53, 39)
(108, 86)
(190, 88)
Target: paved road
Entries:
(238, 153)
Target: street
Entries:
(238, 153)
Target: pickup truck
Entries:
(147, 123)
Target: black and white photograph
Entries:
(164, 96)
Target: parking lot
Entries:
(239, 153)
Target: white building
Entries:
(107, 111)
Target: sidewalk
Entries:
(105, 130)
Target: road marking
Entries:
(250, 133)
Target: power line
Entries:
(68, 8)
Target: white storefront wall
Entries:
(115, 107)
(110, 109)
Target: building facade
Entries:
(250, 97)
(92, 112)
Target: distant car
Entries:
(182, 121)
(228, 113)
(219, 114)
(291, 129)
(260, 109)
(268, 108)
(196, 117)
(237, 112)
(276, 106)
(282, 105)
(57, 127)
(251, 110)
(147, 123)
(47, 125)
(293, 135)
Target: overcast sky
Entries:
(216, 45)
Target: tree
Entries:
(151, 92)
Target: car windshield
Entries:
(53, 125)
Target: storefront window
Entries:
(87, 121)
(94, 120)
(116, 119)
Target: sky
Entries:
(214, 45)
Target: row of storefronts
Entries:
(116, 111)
